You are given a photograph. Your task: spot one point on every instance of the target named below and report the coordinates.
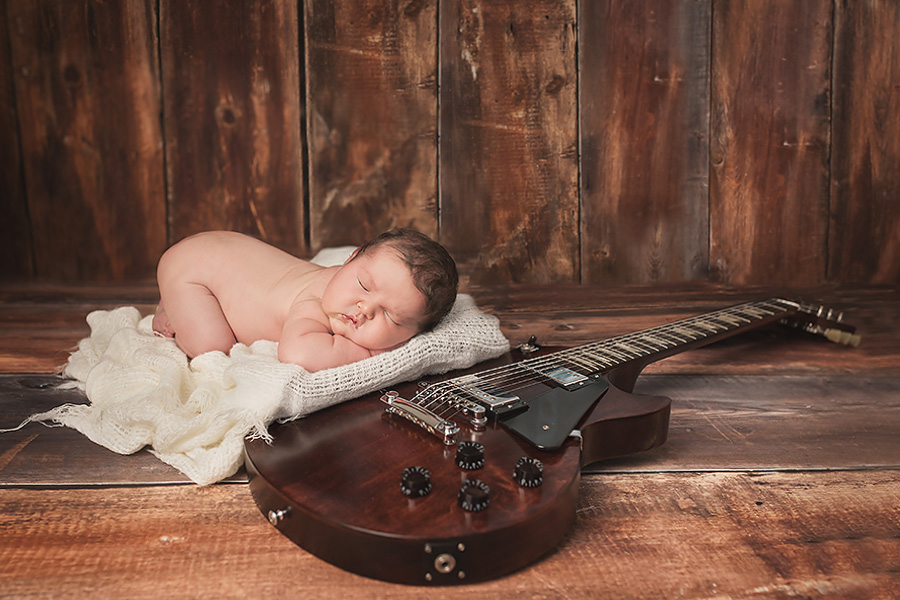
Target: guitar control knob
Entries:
(529, 472)
(470, 456)
(474, 495)
(415, 482)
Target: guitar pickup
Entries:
(494, 399)
(565, 377)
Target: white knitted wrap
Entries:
(195, 414)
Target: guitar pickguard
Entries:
(552, 415)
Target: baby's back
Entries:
(254, 282)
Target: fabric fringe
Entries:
(194, 415)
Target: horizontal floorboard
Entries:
(767, 535)
(779, 479)
(717, 423)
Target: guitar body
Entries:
(335, 476)
(489, 458)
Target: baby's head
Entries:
(433, 269)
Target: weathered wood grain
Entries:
(644, 132)
(40, 324)
(864, 231)
(509, 172)
(16, 260)
(718, 423)
(87, 90)
(773, 535)
(769, 145)
(233, 111)
(642, 528)
(372, 118)
(765, 422)
(39, 456)
(766, 535)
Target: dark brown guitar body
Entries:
(331, 481)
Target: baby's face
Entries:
(373, 301)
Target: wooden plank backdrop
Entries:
(769, 141)
(232, 112)
(645, 120)
(865, 222)
(15, 233)
(87, 84)
(740, 142)
(509, 144)
(372, 118)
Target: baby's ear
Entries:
(352, 256)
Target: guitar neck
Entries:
(650, 345)
(618, 359)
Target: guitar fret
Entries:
(710, 327)
(587, 360)
(615, 353)
(628, 350)
(682, 340)
(666, 344)
(649, 348)
(578, 362)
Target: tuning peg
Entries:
(842, 337)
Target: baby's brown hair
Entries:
(433, 269)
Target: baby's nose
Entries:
(365, 308)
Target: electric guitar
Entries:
(475, 474)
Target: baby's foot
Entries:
(161, 325)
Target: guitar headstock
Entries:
(825, 322)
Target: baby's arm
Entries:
(306, 340)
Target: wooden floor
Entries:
(780, 478)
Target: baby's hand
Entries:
(307, 340)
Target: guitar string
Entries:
(621, 349)
(596, 355)
(630, 347)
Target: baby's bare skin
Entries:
(218, 288)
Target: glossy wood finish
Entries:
(318, 476)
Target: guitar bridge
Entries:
(445, 430)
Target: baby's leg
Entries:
(195, 318)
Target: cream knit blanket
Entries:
(194, 415)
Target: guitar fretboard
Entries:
(654, 343)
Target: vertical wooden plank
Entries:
(509, 172)
(15, 232)
(645, 115)
(769, 141)
(233, 115)
(372, 118)
(86, 79)
(864, 236)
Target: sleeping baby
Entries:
(219, 288)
